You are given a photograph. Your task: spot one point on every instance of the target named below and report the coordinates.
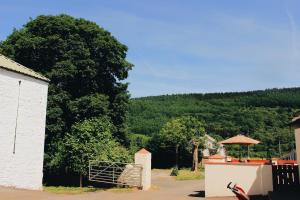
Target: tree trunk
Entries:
(80, 180)
(195, 158)
(176, 152)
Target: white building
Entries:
(23, 101)
(211, 145)
(296, 125)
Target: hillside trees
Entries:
(86, 66)
(263, 115)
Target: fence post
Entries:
(113, 174)
(143, 157)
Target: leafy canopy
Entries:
(92, 140)
(86, 66)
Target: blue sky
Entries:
(189, 46)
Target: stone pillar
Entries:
(143, 157)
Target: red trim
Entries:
(235, 163)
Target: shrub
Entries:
(174, 171)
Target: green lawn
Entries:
(78, 190)
(69, 190)
(187, 174)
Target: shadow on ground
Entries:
(197, 194)
(258, 198)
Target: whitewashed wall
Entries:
(24, 169)
(255, 179)
(297, 141)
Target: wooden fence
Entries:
(285, 177)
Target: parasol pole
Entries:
(240, 152)
(248, 151)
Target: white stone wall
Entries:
(255, 179)
(24, 168)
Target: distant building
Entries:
(23, 102)
(211, 145)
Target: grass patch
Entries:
(187, 174)
(69, 190)
(154, 187)
(78, 190)
(120, 189)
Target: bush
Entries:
(174, 171)
(92, 139)
(187, 174)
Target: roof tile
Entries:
(11, 65)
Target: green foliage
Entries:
(174, 133)
(137, 142)
(86, 66)
(180, 133)
(69, 190)
(262, 115)
(92, 139)
(194, 129)
(174, 171)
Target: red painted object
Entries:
(286, 162)
(259, 161)
(238, 191)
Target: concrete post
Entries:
(143, 157)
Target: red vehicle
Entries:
(238, 191)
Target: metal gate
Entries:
(115, 173)
(285, 177)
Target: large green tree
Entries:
(86, 66)
(184, 132)
(195, 132)
(173, 133)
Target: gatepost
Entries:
(143, 157)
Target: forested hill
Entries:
(263, 115)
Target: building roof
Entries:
(295, 120)
(240, 139)
(210, 138)
(8, 64)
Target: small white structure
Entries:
(143, 157)
(23, 101)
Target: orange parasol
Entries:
(240, 139)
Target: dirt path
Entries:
(164, 188)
